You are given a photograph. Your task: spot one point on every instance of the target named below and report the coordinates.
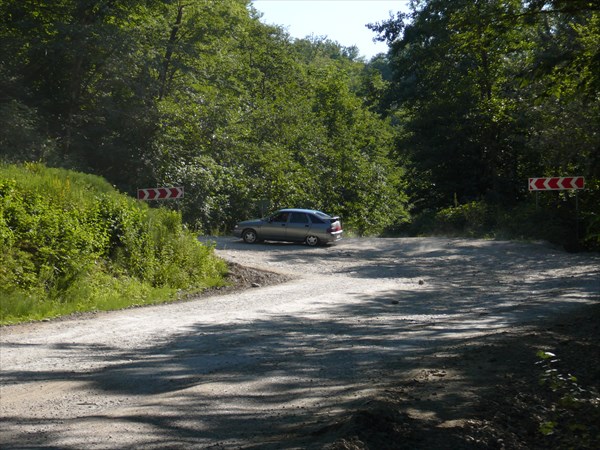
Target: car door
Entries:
(298, 226)
(275, 227)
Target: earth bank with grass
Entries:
(69, 242)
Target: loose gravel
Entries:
(318, 332)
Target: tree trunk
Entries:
(169, 52)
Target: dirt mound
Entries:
(242, 277)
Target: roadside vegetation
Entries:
(437, 136)
(554, 221)
(69, 242)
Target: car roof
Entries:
(301, 210)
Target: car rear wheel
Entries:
(312, 240)
(249, 236)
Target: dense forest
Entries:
(439, 134)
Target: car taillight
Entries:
(334, 227)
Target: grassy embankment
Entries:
(69, 243)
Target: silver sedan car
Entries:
(292, 225)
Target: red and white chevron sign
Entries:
(162, 193)
(556, 183)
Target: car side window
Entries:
(315, 219)
(298, 218)
(281, 217)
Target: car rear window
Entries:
(322, 215)
(315, 219)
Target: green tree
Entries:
(450, 82)
(488, 93)
(199, 94)
(80, 66)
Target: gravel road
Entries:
(269, 367)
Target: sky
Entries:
(339, 20)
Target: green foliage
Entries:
(199, 94)
(70, 242)
(590, 215)
(593, 232)
(568, 396)
(469, 219)
(20, 136)
(474, 219)
(487, 94)
(471, 100)
(553, 219)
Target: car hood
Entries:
(250, 223)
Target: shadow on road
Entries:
(428, 330)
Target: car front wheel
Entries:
(249, 236)
(312, 240)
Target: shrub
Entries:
(70, 242)
(469, 219)
(553, 220)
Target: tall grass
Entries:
(69, 242)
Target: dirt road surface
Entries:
(283, 365)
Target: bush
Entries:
(469, 219)
(70, 242)
(553, 220)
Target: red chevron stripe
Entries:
(556, 183)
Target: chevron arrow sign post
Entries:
(163, 193)
(556, 183)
